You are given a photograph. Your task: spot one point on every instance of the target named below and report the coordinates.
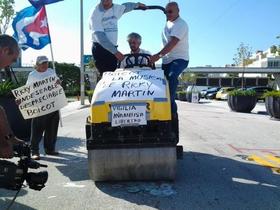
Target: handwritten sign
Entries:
(128, 115)
(40, 98)
(130, 85)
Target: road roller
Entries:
(130, 132)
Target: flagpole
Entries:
(52, 56)
(82, 68)
(60, 118)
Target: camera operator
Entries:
(9, 51)
(7, 138)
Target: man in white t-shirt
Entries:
(104, 27)
(175, 53)
(134, 40)
(47, 124)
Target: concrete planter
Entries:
(20, 126)
(242, 103)
(272, 105)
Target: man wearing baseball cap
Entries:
(47, 124)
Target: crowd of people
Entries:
(104, 27)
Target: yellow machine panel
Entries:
(158, 110)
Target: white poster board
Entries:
(40, 98)
(130, 85)
(129, 115)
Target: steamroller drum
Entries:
(121, 164)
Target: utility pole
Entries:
(82, 68)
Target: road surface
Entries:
(225, 166)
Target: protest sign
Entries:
(40, 98)
(128, 114)
(130, 85)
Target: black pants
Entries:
(47, 124)
(104, 60)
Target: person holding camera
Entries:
(7, 138)
(9, 52)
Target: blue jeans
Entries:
(172, 71)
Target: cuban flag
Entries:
(31, 28)
(40, 3)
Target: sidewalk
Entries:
(73, 107)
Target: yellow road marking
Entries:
(262, 161)
(276, 170)
(273, 158)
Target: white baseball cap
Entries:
(41, 59)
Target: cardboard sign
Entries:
(40, 98)
(128, 115)
(130, 85)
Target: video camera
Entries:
(13, 175)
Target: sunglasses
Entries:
(169, 11)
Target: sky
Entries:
(216, 28)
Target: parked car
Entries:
(203, 92)
(222, 94)
(211, 93)
(260, 90)
(195, 88)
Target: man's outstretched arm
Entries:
(129, 6)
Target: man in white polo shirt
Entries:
(175, 53)
(104, 27)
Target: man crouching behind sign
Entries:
(47, 124)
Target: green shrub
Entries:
(274, 93)
(89, 92)
(6, 89)
(181, 93)
(69, 74)
(242, 93)
(72, 91)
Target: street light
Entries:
(82, 67)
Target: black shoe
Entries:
(53, 153)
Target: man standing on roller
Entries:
(175, 53)
(104, 27)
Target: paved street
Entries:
(225, 154)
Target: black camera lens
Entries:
(36, 181)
